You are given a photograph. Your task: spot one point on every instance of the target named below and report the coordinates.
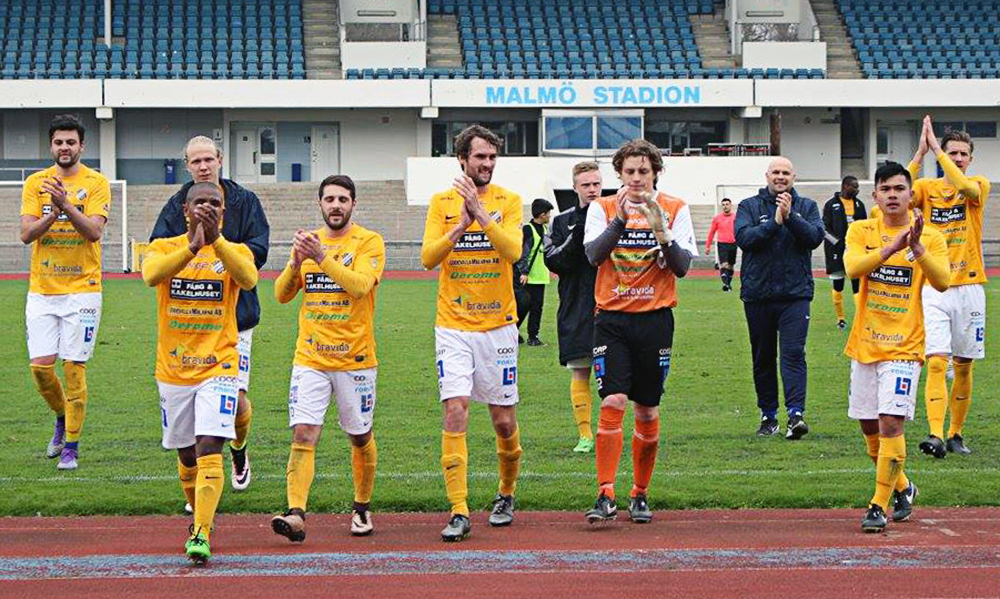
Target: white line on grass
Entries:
(490, 474)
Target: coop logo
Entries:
(900, 276)
(951, 214)
(503, 351)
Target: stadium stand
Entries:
(152, 39)
(924, 39)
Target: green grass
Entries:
(709, 456)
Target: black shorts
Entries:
(632, 354)
(727, 253)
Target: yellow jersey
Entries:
(957, 212)
(476, 284)
(196, 316)
(889, 323)
(62, 261)
(336, 329)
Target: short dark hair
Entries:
(463, 141)
(848, 180)
(727, 200)
(66, 122)
(540, 206)
(197, 187)
(889, 170)
(961, 136)
(340, 181)
(638, 147)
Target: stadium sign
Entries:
(613, 93)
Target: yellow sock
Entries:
(189, 478)
(936, 394)
(76, 399)
(579, 394)
(208, 492)
(49, 387)
(242, 426)
(509, 454)
(455, 465)
(903, 482)
(891, 458)
(299, 475)
(961, 397)
(363, 461)
(838, 303)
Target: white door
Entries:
(268, 152)
(894, 141)
(325, 151)
(245, 170)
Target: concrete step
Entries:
(323, 51)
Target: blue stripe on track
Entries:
(493, 562)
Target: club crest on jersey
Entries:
(218, 267)
(81, 194)
(496, 216)
(347, 258)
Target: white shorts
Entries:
(63, 325)
(576, 363)
(243, 345)
(310, 391)
(190, 411)
(883, 388)
(955, 321)
(481, 365)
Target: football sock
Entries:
(961, 397)
(608, 448)
(363, 461)
(579, 394)
(189, 478)
(208, 491)
(872, 441)
(299, 475)
(76, 399)
(49, 387)
(936, 393)
(891, 457)
(727, 276)
(242, 426)
(645, 440)
(509, 456)
(838, 304)
(455, 466)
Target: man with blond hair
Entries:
(564, 255)
(245, 223)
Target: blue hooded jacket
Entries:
(244, 222)
(777, 259)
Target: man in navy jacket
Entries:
(777, 230)
(244, 222)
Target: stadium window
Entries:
(520, 137)
(677, 136)
(569, 133)
(981, 129)
(942, 127)
(612, 132)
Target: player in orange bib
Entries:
(641, 240)
(338, 268)
(894, 256)
(198, 276)
(473, 231)
(955, 319)
(64, 209)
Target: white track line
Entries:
(490, 474)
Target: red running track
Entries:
(790, 554)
